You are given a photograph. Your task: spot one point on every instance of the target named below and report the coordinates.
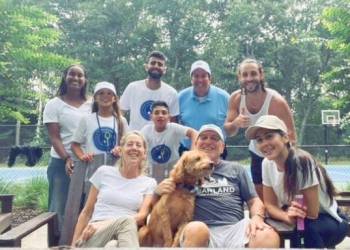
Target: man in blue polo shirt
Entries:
(202, 103)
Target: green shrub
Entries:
(5, 187)
(30, 194)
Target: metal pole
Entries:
(326, 143)
(18, 131)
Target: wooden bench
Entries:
(78, 189)
(343, 199)
(14, 236)
(5, 214)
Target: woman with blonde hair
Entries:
(119, 199)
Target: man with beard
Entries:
(139, 96)
(202, 103)
(248, 104)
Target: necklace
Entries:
(107, 137)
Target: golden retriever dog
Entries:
(173, 211)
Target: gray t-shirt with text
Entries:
(219, 201)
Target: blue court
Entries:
(340, 174)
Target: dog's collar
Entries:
(190, 188)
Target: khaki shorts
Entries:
(227, 236)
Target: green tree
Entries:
(336, 20)
(26, 35)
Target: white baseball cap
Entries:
(200, 64)
(212, 127)
(266, 121)
(105, 85)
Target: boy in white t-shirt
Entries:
(163, 138)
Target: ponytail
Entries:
(300, 160)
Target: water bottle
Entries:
(300, 223)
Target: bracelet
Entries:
(66, 159)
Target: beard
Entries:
(254, 89)
(154, 74)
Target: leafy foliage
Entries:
(303, 53)
(336, 20)
(26, 35)
(30, 194)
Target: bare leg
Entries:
(266, 238)
(196, 234)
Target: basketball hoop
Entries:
(330, 117)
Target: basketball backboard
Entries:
(330, 117)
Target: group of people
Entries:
(160, 122)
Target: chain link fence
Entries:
(333, 151)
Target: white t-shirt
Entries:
(163, 146)
(138, 99)
(67, 116)
(98, 139)
(274, 178)
(118, 196)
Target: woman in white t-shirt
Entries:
(119, 199)
(100, 131)
(61, 116)
(287, 172)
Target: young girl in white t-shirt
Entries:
(288, 171)
(100, 132)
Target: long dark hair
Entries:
(300, 160)
(117, 114)
(62, 89)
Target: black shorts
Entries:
(256, 167)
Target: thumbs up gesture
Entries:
(242, 120)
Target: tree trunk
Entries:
(37, 138)
(173, 74)
(303, 123)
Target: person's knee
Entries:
(266, 238)
(195, 234)
(128, 222)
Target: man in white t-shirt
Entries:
(139, 96)
(163, 139)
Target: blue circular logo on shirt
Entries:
(146, 109)
(104, 139)
(161, 153)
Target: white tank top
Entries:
(254, 117)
